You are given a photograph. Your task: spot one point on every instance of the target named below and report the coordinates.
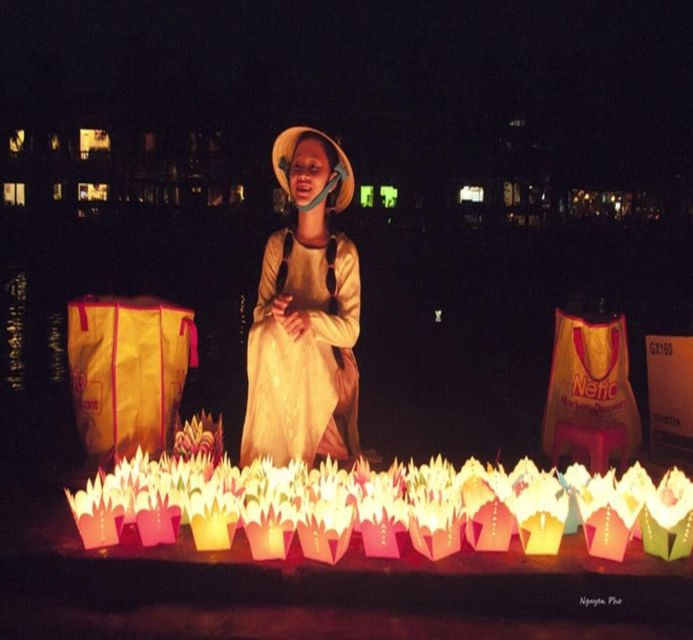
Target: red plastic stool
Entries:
(599, 441)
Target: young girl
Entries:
(302, 375)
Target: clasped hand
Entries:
(296, 323)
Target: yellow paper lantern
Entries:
(214, 515)
(541, 509)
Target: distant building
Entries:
(98, 164)
(90, 169)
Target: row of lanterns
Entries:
(434, 505)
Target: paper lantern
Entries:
(324, 530)
(129, 479)
(524, 472)
(138, 464)
(214, 515)
(490, 528)
(383, 538)
(263, 478)
(270, 528)
(359, 480)
(383, 518)
(436, 476)
(472, 481)
(541, 534)
(380, 488)
(471, 467)
(99, 518)
(327, 479)
(541, 509)
(272, 495)
(489, 521)
(231, 478)
(575, 478)
(638, 486)
(158, 519)
(607, 516)
(435, 526)
(398, 478)
(361, 472)
(199, 436)
(182, 481)
(667, 518)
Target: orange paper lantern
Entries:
(326, 539)
(270, 529)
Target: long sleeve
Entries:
(342, 329)
(268, 277)
(295, 386)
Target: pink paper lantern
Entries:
(491, 527)
(383, 539)
(159, 523)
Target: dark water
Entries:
(456, 327)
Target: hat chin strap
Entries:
(339, 169)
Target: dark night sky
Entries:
(610, 81)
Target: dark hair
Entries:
(330, 250)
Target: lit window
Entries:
(196, 188)
(237, 194)
(57, 191)
(93, 141)
(54, 142)
(511, 193)
(17, 141)
(91, 191)
(215, 197)
(13, 194)
(388, 197)
(471, 194)
(367, 196)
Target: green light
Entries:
(366, 200)
(388, 196)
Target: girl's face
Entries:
(310, 171)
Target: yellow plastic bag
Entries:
(589, 381)
(128, 362)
